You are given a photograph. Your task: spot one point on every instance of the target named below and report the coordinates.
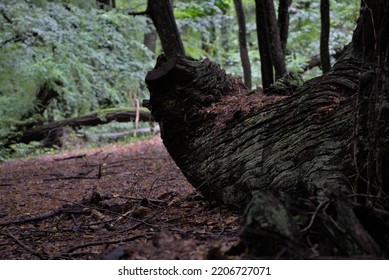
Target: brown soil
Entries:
(115, 202)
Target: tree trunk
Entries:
(293, 163)
(283, 22)
(161, 13)
(150, 38)
(244, 54)
(325, 36)
(276, 50)
(270, 47)
(264, 44)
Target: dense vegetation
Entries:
(82, 57)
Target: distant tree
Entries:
(325, 36)
(270, 47)
(150, 37)
(283, 22)
(244, 54)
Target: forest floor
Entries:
(114, 202)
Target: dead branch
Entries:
(72, 157)
(21, 244)
(32, 219)
(97, 243)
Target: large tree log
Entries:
(295, 162)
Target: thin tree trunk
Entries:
(244, 54)
(283, 22)
(276, 49)
(161, 13)
(150, 38)
(264, 44)
(325, 36)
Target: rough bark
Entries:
(298, 161)
(52, 131)
(161, 13)
(325, 36)
(244, 54)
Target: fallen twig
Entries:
(21, 244)
(31, 219)
(72, 157)
(156, 201)
(71, 178)
(97, 243)
(314, 215)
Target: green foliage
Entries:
(304, 30)
(91, 58)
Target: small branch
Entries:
(314, 215)
(6, 17)
(71, 178)
(33, 218)
(21, 244)
(156, 201)
(144, 13)
(97, 243)
(72, 157)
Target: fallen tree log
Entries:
(52, 131)
(293, 163)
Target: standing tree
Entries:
(325, 35)
(295, 164)
(244, 54)
(283, 22)
(270, 47)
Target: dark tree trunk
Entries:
(264, 44)
(244, 54)
(325, 36)
(293, 163)
(161, 13)
(267, 26)
(274, 39)
(283, 22)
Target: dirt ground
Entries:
(114, 202)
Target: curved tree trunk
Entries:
(295, 163)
